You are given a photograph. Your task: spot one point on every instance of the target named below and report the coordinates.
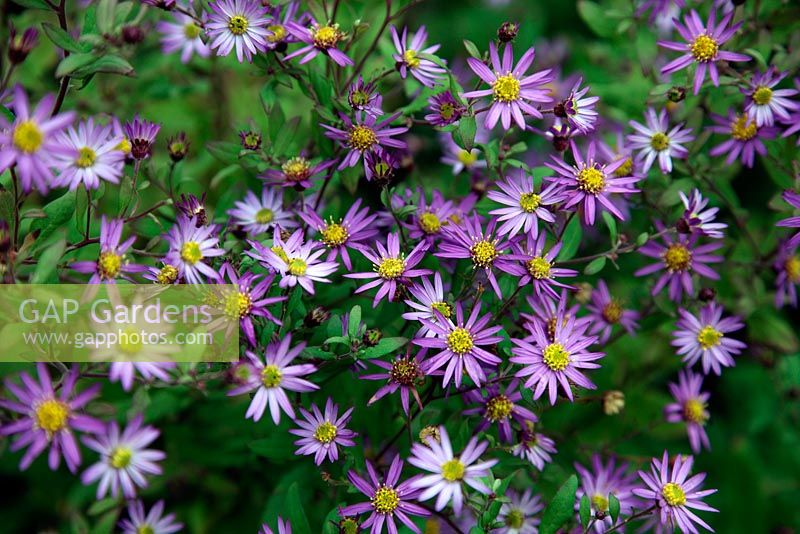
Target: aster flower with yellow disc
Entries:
(239, 24)
(297, 172)
(690, 407)
(523, 206)
(787, 267)
(87, 155)
(534, 447)
(657, 141)
(704, 337)
(154, 521)
(599, 482)
(403, 373)
(520, 513)
(536, 267)
(408, 60)
(351, 231)
(426, 299)
(745, 137)
(279, 36)
(183, 34)
(431, 218)
(500, 408)
(764, 102)
(322, 433)
(793, 199)
(112, 263)
(319, 39)
(257, 215)
(606, 312)
(190, 246)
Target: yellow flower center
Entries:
(498, 408)
(264, 216)
(410, 58)
(120, 457)
(673, 494)
(361, 138)
(430, 223)
(27, 137)
(743, 129)
(538, 267)
(600, 502)
(626, 168)
(167, 275)
(446, 111)
(51, 415)
(695, 411)
(483, 253)
(278, 33)
(459, 341)
(124, 146)
(659, 141)
(762, 95)
(131, 342)
(467, 157)
(191, 30)
(86, 157)
(191, 253)
(237, 24)
(709, 337)
(591, 180)
(391, 268)
(326, 432)
(442, 307)
(297, 267)
(677, 258)
(334, 235)
(529, 202)
(612, 312)
(405, 371)
(296, 169)
(555, 357)
(704, 48)
(278, 251)
(326, 36)
(453, 470)
(271, 376)
(237, 304)
(515, 519)
(145, 529)
(385, 500)
(506, 88)
(109, 264)
(792, 267)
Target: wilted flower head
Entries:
(141, 135)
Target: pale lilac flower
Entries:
(793, 199)
(427, 299)
(388, 500)
(578, 111)
(297, 172)
(525, 207)
(513, 93)
(537, 267)
(448, 471)
(674, 494)
(29, 142)
(431, 218)
(745, 137)
(764, 102)
(140, 135)
(459, 343)
(704, 338)
(365, 134)
(408, 60)
(349, 232)
(49, 419)
(112, 263)
(698, 218)
(601, 481)
(404, 373)
(787, 265)
(461, 159)
(257, 215)
(125, 461)
(184, 34)
(273, 377)
(690, 408)
(445, 109)
(322, 434)
(534, 447)
(606, 311)
(125, 372)
(318, 40)
(87, 155)
(154, 522)
(189, 247)
(702, 46)
(240, 24)
(284, 527)
(391, 268)
(656, 141)
(499, 407)
(518, 514)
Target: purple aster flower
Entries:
(408, 60)
(606, 311)
(381, 166)
(87, 155)
(534, 447)
(679, 257)
(391, 268)
(431, 218)
(746, 137)
(323, 434)
(125, 372)
(702, 46)
(279, 36)
(297, 261)
(449, 471)
(499, 407)
(284, 527)
(153, 522)
(124, 459)
(428, 299)
(29, 141)
(787, 265)
(193, 208)
(578, 111)
(112, 262)
(525, 205)
(461, 159)
(388, 500)
(793, 199)
(297, 172)
(674, 494)
(141, 135)
(469, 240)
(365, 97)
(764, 102)
(655, 141)
(549, 363)
(704, 338)
(518, 514)
(318, 40)
(257, 215)
(240, 24)
(184, 34)
(698, 218)
(365, 135)
(513, 93)
(538, 267)
(621, 150)
(600, 482)
(49, 419)
(546, 312)
(460, 343)
(404, 373)
(690, 408)
(349, 232)
(445, 109)
(273, 377)
(189, 246)
(662, 12)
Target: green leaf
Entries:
(297, 515)
(58, 212)
(464, 136)
(74, 62)
(109, 64)
(45, 271)
(472, 50)
(571, 239)
(385, 346)
(105, 15)
(33, 4)
(595, 266)
(585, 511)
(350, 178)
(611, 223)
(642, 238)
(64, 40)
(613, 507)
(102, 506)
(561, 507)
(596, 18)
(354, 321)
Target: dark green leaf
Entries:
(595, 266)
(585, 511)
(64, 40)
(464, 136)
(561, 507)
(297, 515)
(571, 239)
(613, 507)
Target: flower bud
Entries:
(178, 147)
(251, 140)
(20, 47)
(507, 31)
(613, 402)
(372, 337)
(560, 143)
(676, 93)
(316, 316)
(133, 34)
(707, 294)
(682, 226)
